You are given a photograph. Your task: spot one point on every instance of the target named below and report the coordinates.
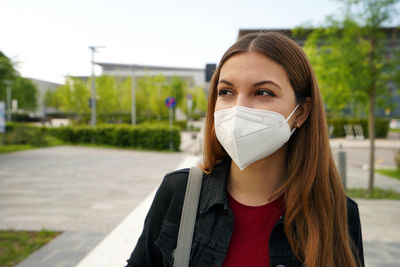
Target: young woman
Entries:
(271, 194)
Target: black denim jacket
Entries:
(214, 225)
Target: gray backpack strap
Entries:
(188, 218)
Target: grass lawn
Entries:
(15, 246)
(392, 173)
(12, 148)
(377, 193)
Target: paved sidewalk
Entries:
(358, 178)
(380, 220)
(117, 247)
(64, 251)
(379, 143)
(83, 192)
(87, 208)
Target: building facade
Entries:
(43, 87)
(193, 76)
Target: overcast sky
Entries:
(49, 38)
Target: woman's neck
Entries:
(254, 185)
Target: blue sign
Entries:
(170, 102)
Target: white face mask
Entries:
(248, 134)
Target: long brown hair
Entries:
(316, 214)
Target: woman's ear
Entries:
(304, 111)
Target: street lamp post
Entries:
(93, 101)
(7, 83)
(133, 100)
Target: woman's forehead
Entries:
(252, 67)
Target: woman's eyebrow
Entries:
(225, 81)
(256, 84)
(267, 82)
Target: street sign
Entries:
(170, 102)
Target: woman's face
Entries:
(253, 80)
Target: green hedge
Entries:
(381, 126)
(25, 134)
(181, 124)
(153, 137)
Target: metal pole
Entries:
(159, 102)
(133, 108)
(342, 165)
(93, 90)
(9, 103)
(94, 103)
(171, 145)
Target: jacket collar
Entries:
(214, 191)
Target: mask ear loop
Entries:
(294, 128)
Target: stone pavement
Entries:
(380, 220)
(66, 250)
(86, 192)
(116, 248)
(70, 188)
(82, 192)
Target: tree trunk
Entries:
(371, 115)
(371, 134)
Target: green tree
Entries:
(124, 91)
(144, 87)
(25, 92)
(107, 95)
(337, 51)
(7, 74)
(199, 101)
(22, 89)
(151, 92)
(177, 89)
(72, 97)
(348, 55)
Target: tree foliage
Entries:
(352, 59)
(22, 89)
(345, 59)
(114, 96)
(72, 97)
(25, 92)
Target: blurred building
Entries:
(43, 87)
(193, 76)
(392, 42)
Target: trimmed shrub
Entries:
(338, 126)
(25, 134)
(102, 134)
(181, 124)
(153, 137)
(381, 126)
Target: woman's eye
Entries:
(224, 92)
(264, 93)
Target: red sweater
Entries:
(251, 230)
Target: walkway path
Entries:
(83, 192)
(88, 192)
